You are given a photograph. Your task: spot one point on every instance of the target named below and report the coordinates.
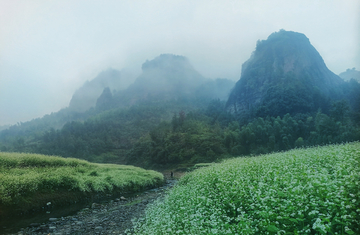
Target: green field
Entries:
(30, 179)
(302, 191)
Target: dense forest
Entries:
(142, 135)
(172, 115)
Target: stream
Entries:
(110, 215)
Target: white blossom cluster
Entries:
(303, 191)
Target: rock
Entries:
(285, 65)
(53, 219)
(34, 225)
(95, 206)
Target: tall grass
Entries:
(303, 191)
(24, 175)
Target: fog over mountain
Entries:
(350, 74)
(49, 49)
(167, 73)
(86, 96)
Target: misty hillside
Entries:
(165, 78)
(350, 74)
(167, 74)
(168, 83)
(169, 77)
(86, 96)
(285, 74)
(172, 115)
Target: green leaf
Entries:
(272, 228)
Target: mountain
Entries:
(285, 74)
(350, 74)
(172, 115)
(215, 89)
(167, 76)
(86, 96)
(171, 77)
(168, 83)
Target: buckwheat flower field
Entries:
(302, 191)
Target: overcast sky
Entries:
(48, 49)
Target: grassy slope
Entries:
(302, 191)
(30, 179)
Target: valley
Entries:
(279, 149)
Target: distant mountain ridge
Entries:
(169, 75)
(166, 77)
(350, 74)
(171, 114)
(86, 96)
(285, 74)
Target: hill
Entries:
(86, 96)
(172, 116)
(167, 75)
(350, 74)
(285, 74)
(171, 77)
(102, 123)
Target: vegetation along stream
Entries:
(37, 188)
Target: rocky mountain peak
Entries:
(285, 65)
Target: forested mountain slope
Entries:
(171, 115)
(102, 123)
(285, 74)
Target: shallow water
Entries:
(15, 223)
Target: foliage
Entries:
(168, 132)
(285, 74)
(199, 137)
(23, 175)
(105, 137)
(302, 191)
(188, 138)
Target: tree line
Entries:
(157, 134)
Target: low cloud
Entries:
(50, 48)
